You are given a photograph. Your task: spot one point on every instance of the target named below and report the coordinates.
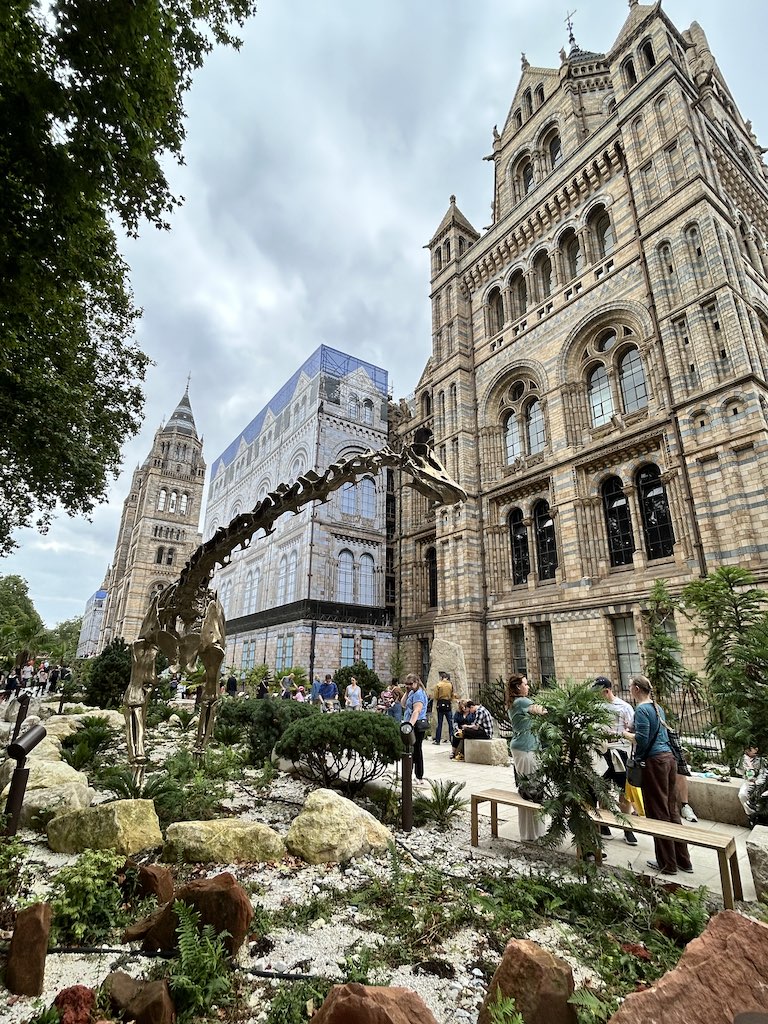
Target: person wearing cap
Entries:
(618, 750)
(444, 697)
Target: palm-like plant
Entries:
(444, 805)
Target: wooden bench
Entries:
(725, 845)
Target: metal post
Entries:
(408, 737)
(22, 714)
(18, 750)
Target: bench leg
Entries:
(725, 879)
(475, 805)
(738, 892)
(494, 819)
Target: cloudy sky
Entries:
(319, 161)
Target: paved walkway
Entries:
(438, 766)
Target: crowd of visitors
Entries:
(36, 679)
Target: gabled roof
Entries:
(638, 13)
(454, 218)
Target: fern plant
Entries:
(199, 977)
(502, 1010)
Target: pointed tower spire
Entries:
(182, 421)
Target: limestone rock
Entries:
(493, 752)
(125, 826)
(48, 749)
(62, 725)
(369, 1004)
(225, 841)
(757, 851)
(540, 983)
(75, 1004)
(46, 774)
(40, 805)
(445, 656)
(221, 901)
(720, 974)
(145, 1002)
(25, 971)
(331, 828)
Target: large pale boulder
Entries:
(540, 983)
(331, 828)
(40, 805)
(446, 656)
(125, 826)
(48, 749)
(355, 1004)
(225, 841)
(62, 725)
(757, 851)
(721, 974)
(46, 774)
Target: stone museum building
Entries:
(597, 377)
(159, 525)
(319, 591)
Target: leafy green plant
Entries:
(109, 675)
(503, 1010)
(443, 807)
(199, 977)
(222, 763)
(295, 1001)
(592, 1008)
(345, 751)
(227, 734)
(158, 711)
(50, 1015)
(186, 717)
(268, 721)
(81, 749)
(13, 874)
(663, 665)
(86, 901)
(386, 804)
(571, 733)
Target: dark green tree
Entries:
(21, 628)
(109, 675)
(663, 662)
(61, 641)
(91, 108)
(365, 676)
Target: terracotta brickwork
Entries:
(597, 380)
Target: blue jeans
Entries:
(444, 714)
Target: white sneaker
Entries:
(686, 813)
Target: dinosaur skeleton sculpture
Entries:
(186, 621)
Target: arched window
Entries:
(695, 249)
(664, 117)
(161, 499)
(640, 136)
(546, 545)
(430, 559)
(496, 310)
(630, 75)
(250, 592)
(542, 266)
(600, 396)
(367, 498)
(345, 586)
(668, 269)
(368, 412)
(353, 408)
(159, 556)
(526, 177)
(573, 264)
(618, 522)
(518, 120)
(512, 440)
(555, 149)
(184, 504)
(518, 534)
(634, 393)
(349, 499)
(654, 509)
(367, 595)
(602, 232)
(648, 55)
(282, 574)
(290, 581)
(519, 294)
(527, 103)
(426, 404)
(169, 556)
(539, 95)
(173, 502)
(534, 424)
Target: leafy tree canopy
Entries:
(91, 105)
(61, 641)
(21, 628)
(109, 675)
(366, 677)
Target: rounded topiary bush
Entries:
(344, 751)
(269, 718)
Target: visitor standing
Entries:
(444, 697)
(616, 756)
(232, 685)
(524, 748)
(353, 695)
(415, 712)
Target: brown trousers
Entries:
(659, 780)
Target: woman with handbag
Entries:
(415, 712)
(658, 769)
(524, 748)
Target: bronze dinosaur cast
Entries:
(186, 621)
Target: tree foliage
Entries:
(366, 677)
(109, 676)
(269, 719)
(21, 628)
(663, 664)
(61, 641)
(90, 110)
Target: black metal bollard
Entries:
(408, 737)
(18, 750)
(23, 712)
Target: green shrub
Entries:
(86, 901)
(109, 676)
(294, 1001)
(81, 748)
(365, 676)
(13, 875)
(269, 720)
(346, 751)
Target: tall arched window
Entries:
(573, 264)
(161, 499)
(430, 559)
(345, 586)
(353, 408)
(290, 581)
(649, 57)
(184, 504)
(367, 595)
(695, 249)
(173, 502)
(546, 545)
(654, 509)
(542, 266)
(496, 310)
(630, 75)
(534, 424)
(634, 393)
(349, 499)
(282, 575)
(519, 293)
(159, 556)
(512, 440)
(367, 498)
(602, 232)
(600, 397)
(555, 149)
(618, 522)
(518, 535)
(525, 177)
(368, 412)
(247, 593)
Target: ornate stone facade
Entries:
(597, 381)
(159, 524)
(318, 592)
